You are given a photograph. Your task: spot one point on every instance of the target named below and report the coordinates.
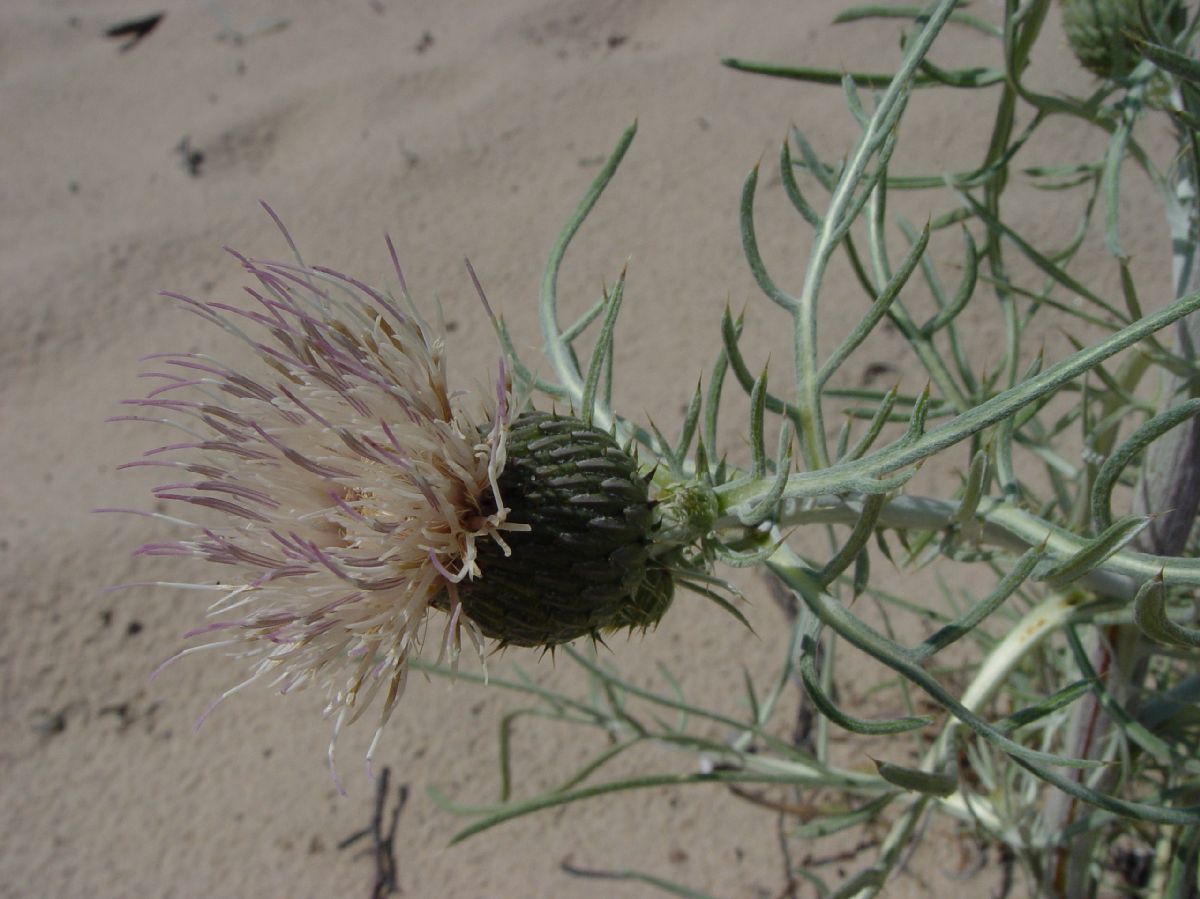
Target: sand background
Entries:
(460, 129)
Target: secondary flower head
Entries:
(1104, 34)
(356, 504)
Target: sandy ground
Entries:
(460, 129)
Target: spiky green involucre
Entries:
(583, 566)
(1103, 33)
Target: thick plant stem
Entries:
(838, 218)
(1168, 489)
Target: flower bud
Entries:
(1102, 32)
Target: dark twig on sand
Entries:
(383, 841)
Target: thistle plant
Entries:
(364, 503)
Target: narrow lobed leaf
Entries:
(917, 781)
(1150, 614)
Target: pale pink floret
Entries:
(340, 484)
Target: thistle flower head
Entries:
(353, 488)
(355, 503)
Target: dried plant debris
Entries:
(134, 30)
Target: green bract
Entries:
(583, 565)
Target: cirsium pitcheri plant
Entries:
(364, 499)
